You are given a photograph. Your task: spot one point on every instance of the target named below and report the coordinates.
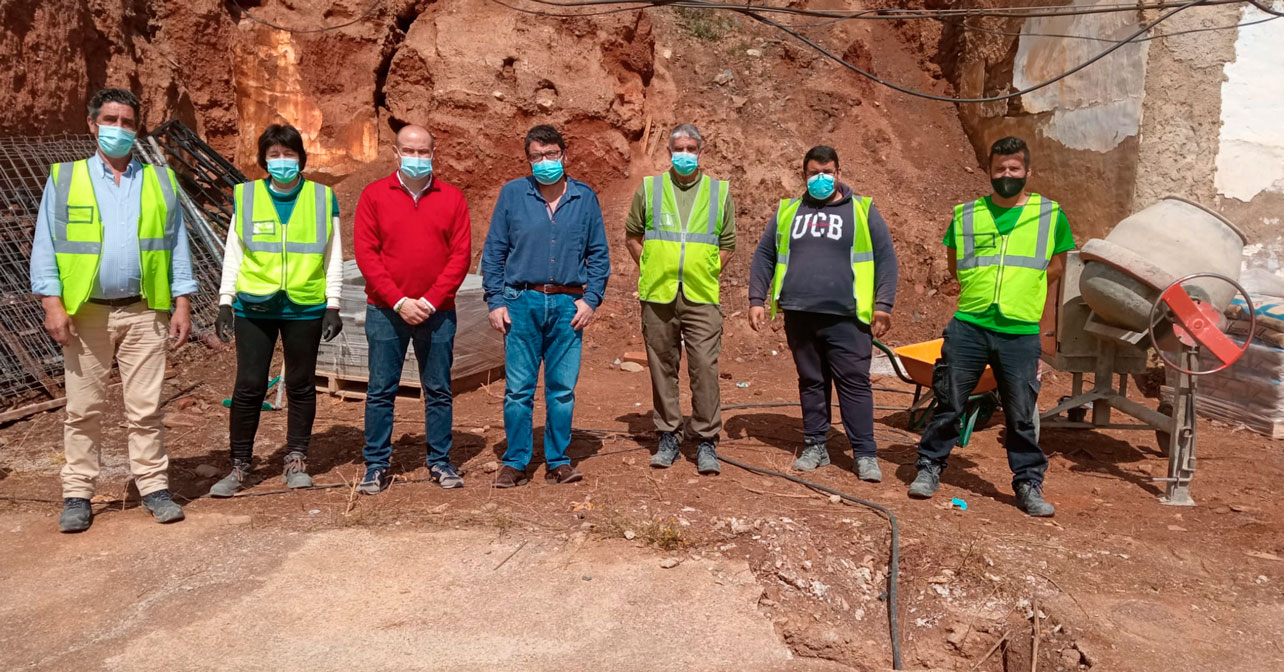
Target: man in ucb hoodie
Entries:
(836, 300)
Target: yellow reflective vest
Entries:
(1008, 271)
(287, 256)
(862, 257)
(78, 233)
(676, 252)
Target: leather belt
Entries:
(553, 289)
(117, 303)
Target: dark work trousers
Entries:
(1015, 360)
(829, 351)
(255, 343)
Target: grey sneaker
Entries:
(76, 516)
(1030, 499)
(814, 456)
(867, 469)
(667, 453)
(927, 482)
(234, 482)
(707, 458)
(445, 476)
(375, 481)
(163, 507)
(296, 470)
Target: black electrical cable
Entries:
(969, 27)
(892, 14)
(893, 565)
(301, 31)
(988, 99)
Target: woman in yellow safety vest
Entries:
(282, 271)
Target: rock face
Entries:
(479, 74)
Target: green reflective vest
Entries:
(78, 233)
(1010, 271)
(675, 252)
(286, 256)
(862, 255)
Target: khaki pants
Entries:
(666, 327)
(136, 338)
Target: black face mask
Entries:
(1007, 187)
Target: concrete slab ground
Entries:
(215, 593)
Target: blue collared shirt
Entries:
(527, 246)
(119, 270)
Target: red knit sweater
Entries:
(409, 250)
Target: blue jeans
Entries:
(387, 336)
(540, 332)
(1015, 360)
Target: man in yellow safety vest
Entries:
(110, 261)
(1005, 249)
(681, 230)
(828, 262)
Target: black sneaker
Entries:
(667, 453)
(1030, 499)
(163, 507)
(77, 515)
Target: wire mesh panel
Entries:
(30, 361)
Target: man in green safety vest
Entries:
(110, 262)
(1004, 249)
(681, 230)
(827, 261)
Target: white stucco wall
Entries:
(1098, 107)
(1250, 157)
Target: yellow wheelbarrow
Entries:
(915, 363)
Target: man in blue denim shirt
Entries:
(545, 265)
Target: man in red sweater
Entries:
(413, 244)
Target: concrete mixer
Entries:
(1159, 282)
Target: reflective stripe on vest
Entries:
(862, 256)
(77, 230)
(284, 256)
(1008, 271)
(673, 252)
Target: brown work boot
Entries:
(562, 475)
(509, 477)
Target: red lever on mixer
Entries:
(1198, 321)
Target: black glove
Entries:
(331, 325)
(223, 325)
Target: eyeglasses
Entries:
(550, 155)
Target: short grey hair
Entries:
(686, 131)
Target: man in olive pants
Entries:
(681, 231)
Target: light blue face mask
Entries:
(283, 170)
(547, 171)
(685, 163)
(820, 186)
(115, 141)
(416, 167)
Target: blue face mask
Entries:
(685, 163)
(820, 186)
(547, 171)
(283, 170)
(416, 167)
(115, 141)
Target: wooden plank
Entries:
(32, 409)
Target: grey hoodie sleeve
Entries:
(763, 266)
(886, 269)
